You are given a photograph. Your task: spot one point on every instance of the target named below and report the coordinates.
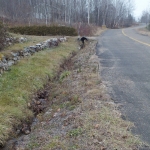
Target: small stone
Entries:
(1, 64)
(55, 114)
(10, 62)
(29, 105)
(14, 54)
(96, 142)
(58, 110)
(38, 102)
(15, 58)
(27, 132)
(97, 126)
(38, 45)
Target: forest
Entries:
(112, 13)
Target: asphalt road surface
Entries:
(125, 70)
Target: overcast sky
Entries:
(141, 5)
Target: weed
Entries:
(72, 107)
(75, 132)
(32, 145)
(79, 69)
(52, 145)
(55, 143)
(73, 147)
(75, 99)
(64, 75)
(94, 69)
(1, 56)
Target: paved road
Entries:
(125, 69)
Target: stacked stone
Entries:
(8, 61)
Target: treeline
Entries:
(113, 13)
(145, 18)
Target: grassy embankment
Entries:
(82, 115)
(28, 76)
(81, 109)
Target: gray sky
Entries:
(141, 5)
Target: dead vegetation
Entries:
(81, 116)
(143, 31)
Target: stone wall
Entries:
(7, 61)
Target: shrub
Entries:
(44, 30)
(3, 35)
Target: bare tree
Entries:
(110, 12)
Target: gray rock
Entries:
(4, 60)
(32, 51)
(27, 54)
(9, 43)
(39, 45)
(22, 39)
(15, 54)
(10, 63)
(46, 44)
(54, 39)
(62, 39)
(7, 39)
(32, 47)
(43, 47)
(38, 48)
(26, 50)
(18, 57)
(1, 64)
(5, 66)
(15, 58)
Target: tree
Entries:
(3, 35)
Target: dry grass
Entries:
(143, 31)
(82, 116)
(99, 30)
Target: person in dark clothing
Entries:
(83, 39)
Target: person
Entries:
(83, 39)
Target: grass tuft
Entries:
(64, 75)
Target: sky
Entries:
(141, 5)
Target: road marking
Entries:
(134, 39)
